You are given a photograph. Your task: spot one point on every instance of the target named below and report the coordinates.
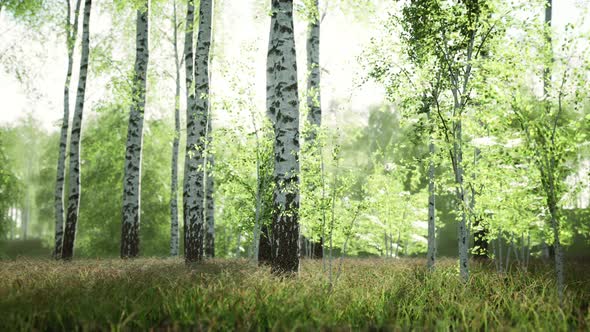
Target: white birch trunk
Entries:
(314, 115)
(210, 207)
(197, 121)
(188, 189)
(75, 139)
(132, 171)
(431, 252)
(460, 191)
(71, 36)
(551, 194)
(174, 232)
(283, 108)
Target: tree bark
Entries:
(197, 122)
(480, 236)
(75, 139)
(174, 236)
(431, 252)
(132, 173)
(314, 109)
(188, 187)
(265, 246)
(12, 220)
(553, 210)
(71, 36)
(210, 208)
(283, 108)
(317, 249)
(460, 192)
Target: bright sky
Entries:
(244, 33)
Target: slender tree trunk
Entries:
(399, 238)
(12, 221)
(314, 109)
(132, 174)
(197, 122)
(71, 36)
(480, 236)
(547, 80)
(548, 41)
(238, 244)
(209, 204)
(259, 187)
(553, 210)
(555, 249)
(210, 165)
(522, 250)
(513, 244)
(500, 245)
(256, 233)
(27, 212)
(495, 253)
(189, 190)
(174, 236)
(460, 191)
(386, 244)
(265, 250)
(528, 249)
(210, 208)
(431, 253)
(75, 139)
(508, 252)
(391, 244)
(283, 108)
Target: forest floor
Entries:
(369, 294)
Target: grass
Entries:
(371, 294)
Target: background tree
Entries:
(174, 231)
(71, 37)
(75, 139)
(132, 174)
(197, 125)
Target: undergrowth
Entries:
(225, 295)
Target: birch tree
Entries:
(197, 125)
(75, 139)
(283, 109)
(209, 202)
(174, 232)
(431, 253)
(132, 169)
(190, 110)
(550, 132)
(204, 56)
(71, 37)
(454, 36)
(314, 111)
